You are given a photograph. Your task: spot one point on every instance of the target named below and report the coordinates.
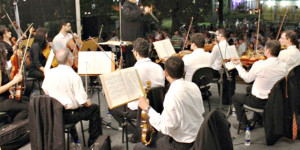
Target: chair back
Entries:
(214, 133)
(156, 98)
(203, 77)
(46, 123)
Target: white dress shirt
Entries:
(182, 115)
(216, 59)
(242, 48)
(60, 41)
(265, 73)
(148, 71)
(197, 59)
(291, 56)
(65, 85)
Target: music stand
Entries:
(89, 45)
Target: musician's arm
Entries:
(247, 76)
(214, 54)
(16, 80)
(80, 94)
(36, 50)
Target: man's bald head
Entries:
(63, 55)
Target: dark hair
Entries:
(3, 56)
(40, 37)
(198, 40)
(274, 47)
(289, 34)
(63, 23)
(141, 46)
(175, 67)
(2, 32)
(222, 32)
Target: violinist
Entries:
(291, 55)
(148, 71)
(191, 61)
(180, 121)
(18, 109)
(37, 59)
(61, 39)
(5, 36)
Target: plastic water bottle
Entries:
(233, 111)
(108, 120)
(78, 145)
(72, 145)
(247, 137)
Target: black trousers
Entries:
(118, 114)
(163, 142)
(228, 86)
(18, 110)
(86, 113)
(36, 73)
(239, 100)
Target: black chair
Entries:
(47, 124)
(203, 77)
(34, 80)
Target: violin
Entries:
(208, 47)
(74, 45)
(147, 129)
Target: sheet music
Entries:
(230, 52)
(121, 87)
(132, 85)
(96, 62)
(114, 91)
(49, 61)
(164, 48)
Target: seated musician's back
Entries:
(180, 121)
(65, 85)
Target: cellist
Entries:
(20, 108)
(37, 59)
(61, 39)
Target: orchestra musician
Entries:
(61, 39)
(264, 73)
(291, 55)
(74, 99)
(132, 26)
(5, 36)
(191, 61)
(216, 62)
(148, 71)
(37, 59)
(180, 121)
(17, 109)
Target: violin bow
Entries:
(282, 21)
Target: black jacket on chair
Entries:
(214, 133)
(46, 123)
(278, 114)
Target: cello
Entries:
(74, 45)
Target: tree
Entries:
(180, 11)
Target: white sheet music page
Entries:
(164, 48)
(92, 62)
(49, 61)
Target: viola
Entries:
(74, 45)
(46, 52)
(147, 129)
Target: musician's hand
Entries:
(147, 10)
(163, 60)
(143, 103)
(88, 103)
(18, 78)
(75, 35)
(235, 60)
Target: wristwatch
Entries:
(147, 109)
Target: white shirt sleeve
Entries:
(169, 120)
(247, 76)
(80, 94)
(214, 54)
(133, 105)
